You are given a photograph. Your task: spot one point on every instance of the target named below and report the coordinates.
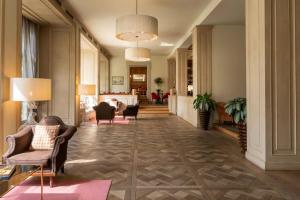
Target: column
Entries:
(171, 73)
(10, 65)
(202, 59)
(273, 85)
(182, 56)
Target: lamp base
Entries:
(32, 107)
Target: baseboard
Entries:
(291, 166)
(256, 161)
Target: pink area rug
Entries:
(65, 190)
(117, 120)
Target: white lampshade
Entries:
(137, 54)
(137, 28)
(86, 89)
(30, 89)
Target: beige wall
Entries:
(118, 68)
(228, 62)
(10, 65)
(58, 62)
(158, 68)
(104, 74)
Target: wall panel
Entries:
(57, 62)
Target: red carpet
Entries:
(67, 190)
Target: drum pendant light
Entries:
(137, 54)
(137, 27)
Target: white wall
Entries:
(228, 62)
(186, 111)
(158, 65)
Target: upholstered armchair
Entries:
(19, 152)
(131, 110)
(104, 112)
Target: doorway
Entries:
(138, 81)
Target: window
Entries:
(29, 56)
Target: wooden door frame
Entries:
(143, 64)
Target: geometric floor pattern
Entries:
(167, 158)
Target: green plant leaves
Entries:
(204, 102)
(237, 109)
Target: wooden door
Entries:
(138, 79)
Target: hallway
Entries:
(166, 158)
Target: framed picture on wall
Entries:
(117, 80)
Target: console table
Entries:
(126, 99)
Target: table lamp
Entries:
(30, 90)
(86, 90)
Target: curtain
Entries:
(29, 56)
(29, 48)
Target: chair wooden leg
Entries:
(51, 181)
(62, 169)
(97, 121)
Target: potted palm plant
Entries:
(205, 105)
(237, 109)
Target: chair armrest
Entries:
(59, 153)
(19, 142)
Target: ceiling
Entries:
(228, 12)
(174, 18)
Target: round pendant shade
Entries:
(137, 54)
(137, 28)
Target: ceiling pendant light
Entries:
(137, 54)
(137, 27)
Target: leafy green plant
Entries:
(158, 81)
(237, 109)
(204, 103)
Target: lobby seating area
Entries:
(21, 152)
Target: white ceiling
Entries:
(174, 19)
(228, 12)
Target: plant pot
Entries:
(158, 92)
(243, 137)
(204, 119)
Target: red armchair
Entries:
(165, 97)
(154, 96)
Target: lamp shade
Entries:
(137, 28)
(137, 54)
(86, 89)
(30, 89)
